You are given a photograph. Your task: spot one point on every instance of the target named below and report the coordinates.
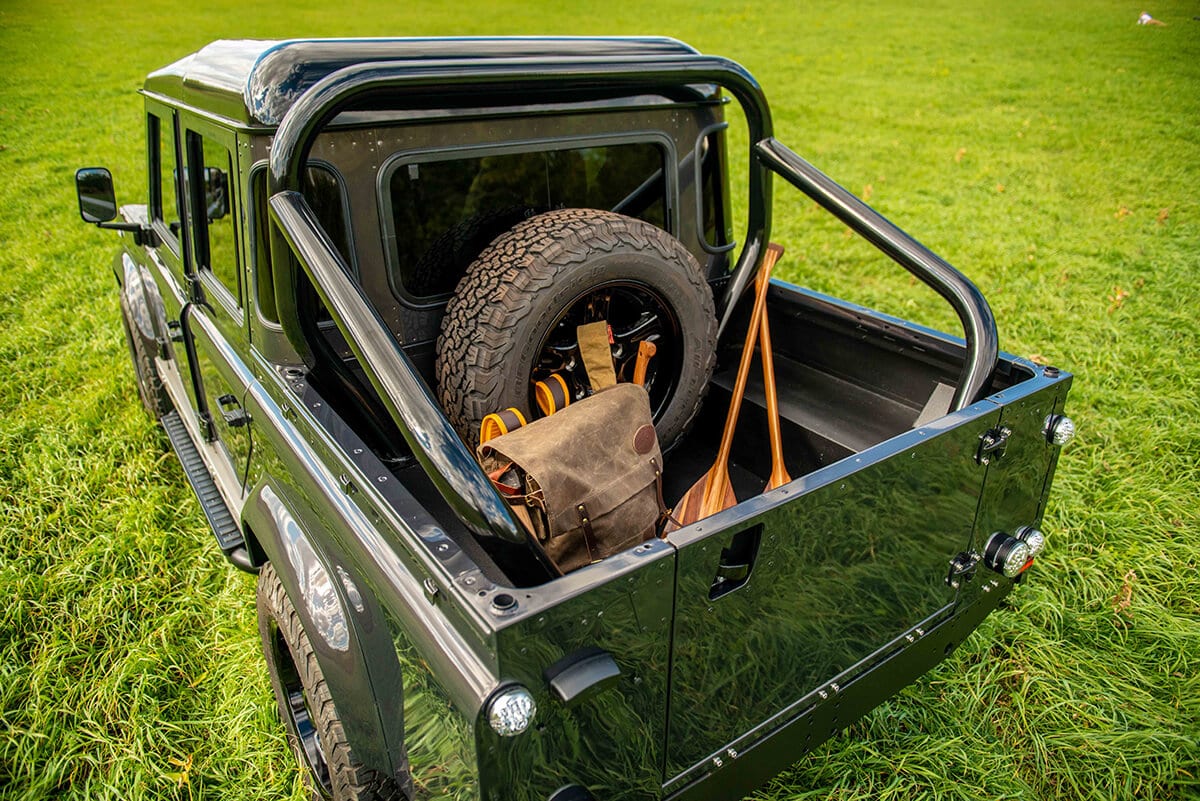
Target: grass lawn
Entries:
(1050, 150)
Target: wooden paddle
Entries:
(714, 492)
(646, 351)
(779, 473)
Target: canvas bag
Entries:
(588, 478)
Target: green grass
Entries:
(1050, 150)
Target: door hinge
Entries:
(962, 569)
(992, 444)
(206, 426)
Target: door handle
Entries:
(232, 412)
(582, 674)
(733, 572)
(737, 562)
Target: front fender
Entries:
(345, 626)
(142, 305)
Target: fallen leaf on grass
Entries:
(1038, 358)
(1117, 299)
(958, 157)
(1124, 599)
(1122, 213)
(999, 187)
(185, 769)
(1064, 276)
(1163, 214)
(868, 190)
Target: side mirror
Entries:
(97, 200)
(216, 193)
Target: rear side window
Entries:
(211, 182)
(326, 196)
(444, 212)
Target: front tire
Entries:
(151, 390)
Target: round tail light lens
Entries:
(1035, 539)
(1059, 429)
(511, 711)
(1007, 555)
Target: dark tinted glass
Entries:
(444, 213)
(166, 202)
(222, 242)
(324, 194)
(211, 179)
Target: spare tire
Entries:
(513, 317)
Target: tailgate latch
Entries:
(992, 444)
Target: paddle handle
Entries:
(779, 473)
(719, 476)
(645, 351)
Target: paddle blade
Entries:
(779, 476)
(693, 506)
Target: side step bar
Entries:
(220, 520)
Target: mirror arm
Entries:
(142, 235)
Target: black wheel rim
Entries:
(635, 313)
(300, 718)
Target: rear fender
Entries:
(346, 627)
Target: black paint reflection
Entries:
(839, 573)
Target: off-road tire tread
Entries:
(351, 780)
(498, 289)
(150, 387)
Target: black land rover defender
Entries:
(353, 251)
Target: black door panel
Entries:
(835, 574)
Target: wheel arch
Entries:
(344, 623)
(142, 304)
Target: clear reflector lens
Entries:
(1017, 560)
(1007, 555)
(1060, 429)
(1035, 539)
(511, 711)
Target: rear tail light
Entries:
(1035, 539)
(1059, 429)
(1007, 555)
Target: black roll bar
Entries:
(973, 311)
(434, 442)
(513, 81)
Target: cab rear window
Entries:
(443, 213)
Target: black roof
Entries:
(255, 82)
